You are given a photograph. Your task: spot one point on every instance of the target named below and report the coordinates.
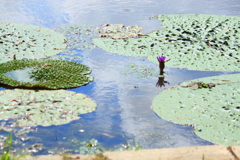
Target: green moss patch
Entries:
(52, 74)
(21, 41)
(211, 105)
(195, 42)
(45, 108)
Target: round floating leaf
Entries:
(211, 105)
(45, 108)
(119, 31)
(78, 36)
(52, 74)
(196, 42)
(21, 41)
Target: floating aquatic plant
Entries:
(21, 41)
(52, 74)
(211, 105)
(78, 36)
(119, 31)
(141, 72)
(195, 42)
(45, 108)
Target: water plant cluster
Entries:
(94, 147)
(24, 62)
(195, 42)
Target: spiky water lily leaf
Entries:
(196, 42)
(78, 36)
(23, 41)
(53, 74)
(45, 108)
(119, 31)
(210, 104)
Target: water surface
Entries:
(124, 100)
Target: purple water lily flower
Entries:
(161, 59)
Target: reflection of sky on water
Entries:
(122, 108)
(21, 75)
(133, 104)
(50, 13)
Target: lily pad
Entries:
(22, 41)
(195, 42)
(45, 108)
(51, 74)
(213, 111)
(119, 31)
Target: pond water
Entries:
(124, 99)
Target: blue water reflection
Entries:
(123, 109)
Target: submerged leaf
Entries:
(78, 36)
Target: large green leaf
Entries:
(22, 41)
(214, 112)
(45, 108)
(52, 74)
(196, 42)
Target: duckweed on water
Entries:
(213, 111)
(51, 74)
(195, 42)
